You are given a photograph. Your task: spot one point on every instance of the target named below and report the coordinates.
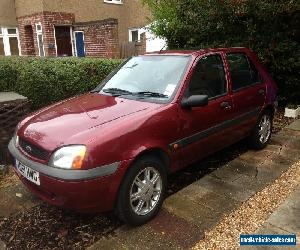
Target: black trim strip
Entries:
(198, 136)
(63, 174)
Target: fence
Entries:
(128, 49)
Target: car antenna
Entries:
(162, 48)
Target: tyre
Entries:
(142, 191)
(261, 134)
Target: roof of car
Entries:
(197, 52)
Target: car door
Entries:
(248, 92)
(204, 129)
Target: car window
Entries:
(160, 74)
(242, 70)
(208, 78)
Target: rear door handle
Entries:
(225, 105)
(261, 92)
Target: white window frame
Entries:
(114, 1)
(71, 36)
(6, 37)
(40, 32)
(139, 30)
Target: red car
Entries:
(112, 149)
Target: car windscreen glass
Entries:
(147, 76)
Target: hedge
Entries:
(270, 28)
(48, 80)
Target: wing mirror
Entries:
(195, 101)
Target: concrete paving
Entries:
(295, 125)
(284, 220)
(10, 96)
(287, 216)
(2, 245)
(199, 207)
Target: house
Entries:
(94, 28)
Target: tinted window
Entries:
(208, 78)
(243, 72)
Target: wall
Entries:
(129, 14)
(28, 7)
(100, 38)
(47, 19)
(7, 13)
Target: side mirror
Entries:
(195, 101)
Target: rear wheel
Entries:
(261, 134)
(142, 191)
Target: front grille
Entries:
(33, 150)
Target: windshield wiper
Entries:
(117, 91)
(150, 94)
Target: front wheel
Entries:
(261, 134)
(142, 191)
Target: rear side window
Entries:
(242, 70)
(208, 78)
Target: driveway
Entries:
(199, 197)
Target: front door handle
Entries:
(261, 92)
(225, 105)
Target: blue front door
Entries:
(79, 44)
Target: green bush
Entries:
(268, 27)
(48, 80)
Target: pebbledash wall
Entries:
(100, 37)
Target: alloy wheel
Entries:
(264, 130)
(145, 191)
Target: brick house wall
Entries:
(28, 34)
(100, 38)
(51, 19)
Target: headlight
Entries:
(69, 157)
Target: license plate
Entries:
(28, 173)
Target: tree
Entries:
(269, 27)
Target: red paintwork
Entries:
(117, 129)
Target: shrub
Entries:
(268, 27)
(48, 80)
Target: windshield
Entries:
(148, 77)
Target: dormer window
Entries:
(113, 1)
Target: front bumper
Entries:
(91, 190)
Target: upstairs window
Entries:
(113, 1)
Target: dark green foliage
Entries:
(45, 81)
(271, 28)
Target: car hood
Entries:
(56, 125)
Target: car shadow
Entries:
(199, 169)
